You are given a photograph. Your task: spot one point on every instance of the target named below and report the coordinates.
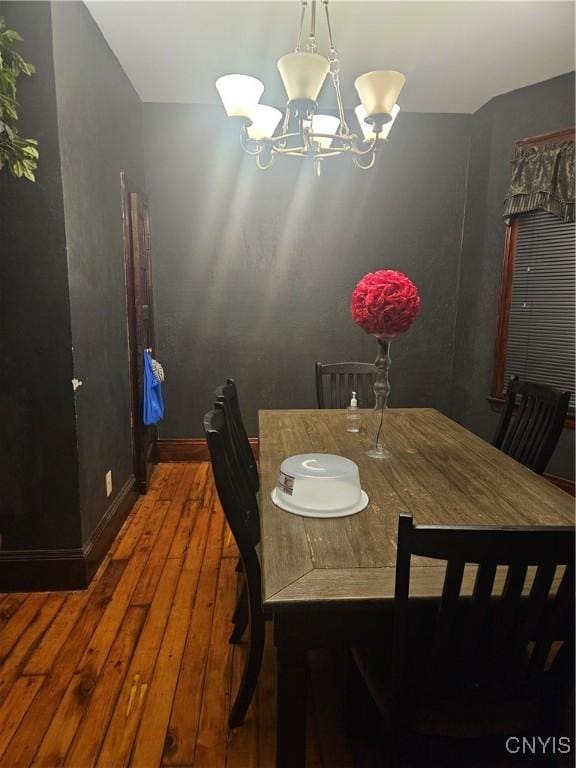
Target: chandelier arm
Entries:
(264, 166)
(280, 141)
(302, 151)
(370, 148)
(251, 149)
(360, 165)
(301, 27)
(330, 153)
(313, 135)
(278, 145)
(347, 143)
(296, 151)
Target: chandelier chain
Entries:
(334, 60)
(312, 45)
(343, 128)
(329, 26)
(304, 5)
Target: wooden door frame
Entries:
(130, 225)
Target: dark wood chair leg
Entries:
(251, 672)
(240, 618)
(241, 604)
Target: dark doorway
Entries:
(140, 314)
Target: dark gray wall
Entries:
(537, 109)
(38, 463)
(99, 119)
(254, 270)
(63, 305)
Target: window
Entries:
(536, 325)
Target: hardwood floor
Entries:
(137, 670)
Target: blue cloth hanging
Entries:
(153, 401)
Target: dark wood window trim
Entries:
(496, 398)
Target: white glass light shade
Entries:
(325, 124)
(264, 122)
(303, 74)
(367, 128)
(239, 94)
(379, 91)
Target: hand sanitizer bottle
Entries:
(353, 417)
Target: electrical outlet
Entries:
(108, 482)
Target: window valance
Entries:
(542, 178)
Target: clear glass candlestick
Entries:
(381, 393)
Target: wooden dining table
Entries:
(330, 582)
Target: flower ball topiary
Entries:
(385, 303)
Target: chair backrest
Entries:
(335, 383)
(529, 431)
(501, 633)
(228, 396)
(237, 501)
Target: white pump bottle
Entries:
(353, 417)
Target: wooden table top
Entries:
(438, 471)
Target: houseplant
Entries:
(17, 154)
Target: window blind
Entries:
(540, 345)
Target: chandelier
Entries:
(305, 132)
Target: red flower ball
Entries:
(385, 303)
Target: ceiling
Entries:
(456, 55)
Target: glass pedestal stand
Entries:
(381, 392)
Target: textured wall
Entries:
(38, 463)
(540, 108)
(253, 270)
(99, 118)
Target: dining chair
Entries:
(335, 383)
(239, 513)
(228, 396)
(244, 481)
(227, 399)
(476, 666)
(531, 422)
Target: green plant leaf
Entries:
(12, 36)
(18, 154)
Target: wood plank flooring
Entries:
(137, 670)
